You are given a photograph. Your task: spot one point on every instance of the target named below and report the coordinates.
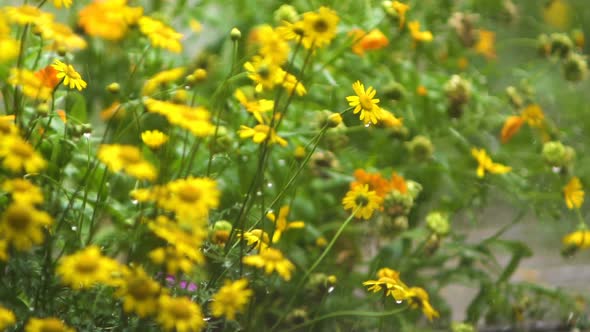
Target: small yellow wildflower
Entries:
(417, 35)
(31, 85)
(10, 49)
(557, 13)
(292, 84)
(47, 324)
(486, 44)
(272, 45)
(139, 293)
(364, 103)
(573, 193)
(191, 198)
(27, 14)
(22, 190)
(319, 28)
(264, 73)
(167, 76)
(533, 115)
(160, 34)
(126, 158)
(362, 201)
(194, 119)
(108, 19)
(154, 138)
(578, 239)
(485, 163)
(257, 238)
(185, 238)
(401, 9)
(231, 298)
(174, 261)
(255, 106)
(261, 133)
(62, 3)
(19, 155)
(389, 280)
(271, 259)
(7, 318)
(86, 268)
(179, 314)
(281, 223)
(69, 75)
(511, 127)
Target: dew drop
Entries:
(399, 301)
(330, 289)
(86, 135)
(269, 185)
(282, 162)
(556, 169)
(367, 125)
(134, 202)
(259, 193)
(74, 228)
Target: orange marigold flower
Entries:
(511, 127)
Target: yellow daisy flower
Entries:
(389, 281)
(292, 84)
(22, 225)
(174, 260)
(19, 155)
(194, 119)
(319, 28)
(62, 36)
(160, 34)
(22, 190)
(47, 324)
(191, 198)
(261, 133)
(154, 138)
(255, 106)
(27, 14)
(126, 158)
(139, 293)
(70, 76)
(533, 115)
(573, 193)
(62, 3)
(364, 103)
(108, 19)
(186, 239)
(231, 298)
(179, 314)
(271, 259)
(257, 238)
(401, 9)
(32, 86)
(7, 318)
(485, 163)
(10, 49)
(418, 298)
(417, 35)
(167, 76)
(264, 73)
(272, 45)
(359, 197)
(86, 268)
(281, 223)
(578, 239)
(486, 44)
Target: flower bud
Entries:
(561, 44)
(334, 120)
(462, 327)
(235, 34)
(114, 88)
(299, 152)
(414, 188)
(286, 13)
(438, 223)
(420, 147)
(458, 91)
(297, 316)
(219, 232)
(42, 109)
(575, 68)
(180, 96)
(578, 37)
(432, 244)
(555, 154)
(400, 223)
(397, 204)
(543, 45)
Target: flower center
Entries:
(189, 194)
(139, 289)
(361, 200)
(86, 266)
(180, 311)
(366, 102)
(22, 150)
(130, 156)
(320, 26)
(18, 217)
(272, 255)
(263, 72)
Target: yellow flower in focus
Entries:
(154, 138)
(361, 201)
(417, 35)
(22, 190)
(364, 103)
(281, 223)
(486, 44)
(160, 34)
(108, 19)
(270, 260)
(179, 314)
(319, 28)
(578, 239)
(533, 115)
(139, 293)
(69, 75)
(231, 298)
(389, 281)
(27, 14)
(511, 127)
(401, 9)
(86, 267)
(167, 76)
(19, 155)
(264, 73)
(31, 85)
(62, 3)
(47, 324)
(254, 106)
(573, 193)
(261, 133)
(257, 238)
(485, 163)
(7, 318)
(126, 158)
(557, 13)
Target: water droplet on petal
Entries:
(134, 202)
(367, 125)
(331, 289)
(399, 301)
(556, 169)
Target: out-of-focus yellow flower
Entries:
(108, 19)
(86, 268)
(281, 223)
(126, 158)
(511, 127)
(31, 85)
(114, 110)
(62, 3)
(255, 106)
(194, 119)
(272, 45)
(47, 324)
(374, 40)
(139, 292)
(7, 318)
(179, 314)
(70, 76)
(401, 9)
(319, 28)
(166, 76)
(154, 138)
(573, 193)
(485, 163)
(417, 35)
(486, 44)
(533, 115)
(9, 47)
(271, 259)
(195, 26)
(18, 155)
(421, 90)
(160, 34)
(62, 36)
(22, 225)
(231, 298)
(557, 13)
(579, 239)
(27, 14)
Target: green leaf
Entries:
(76, 107)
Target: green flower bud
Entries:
(114, 88)
(543, 45)
(555, 153)
(219, 232)
(420, 147)
(462, 327)
(286, 13)
(397, 204)
(458, 91)
(400, 223)
(438, 223)
(235, 34)
(42, 109)
(575, 68)
(561, 44)
(414, 188)
(297, 316)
